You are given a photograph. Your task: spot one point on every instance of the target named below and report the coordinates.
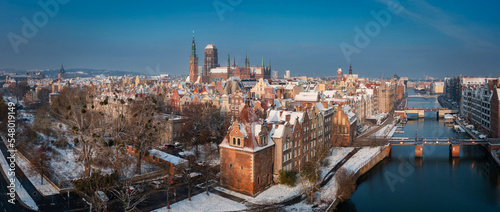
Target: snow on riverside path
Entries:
(46, 189)
(202, 202)
(362, 157)
(21, 192)
(337, 155)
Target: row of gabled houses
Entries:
(255, 149)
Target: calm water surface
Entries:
(435, 182)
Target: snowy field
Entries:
(21, 192)
(202, 202)
(46, 189)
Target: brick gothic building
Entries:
(193, 63)
(211, 61)
(247, 155)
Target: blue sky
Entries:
(444, 38)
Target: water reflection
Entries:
(435, 182)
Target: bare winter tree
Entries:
(346, 184)
(91, 187)
(74, 106)
(168, 186)
(41, 162)
(42, 122)
(143, 128)
(129, 198)
(209, 172)
(311, 171)
(201, 124)
(187, 178)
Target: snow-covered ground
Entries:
(358, 160)
(21, 192)
(66, 162)
(274, 194)
(337, 155)
(299, 207)
(46, 189)
(202, 202)
(386, 131)
(362, 157)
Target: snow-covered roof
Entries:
(279, 131)
(307, 96)
(218, 70)
(279, 115)
(167, 157)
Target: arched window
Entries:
(234, 141)
(239, 142)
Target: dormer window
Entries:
(262, 140)
(236, 141)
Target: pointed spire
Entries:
(193, 48)
(262, 62)
(62, 71)
(350, 69)
(228, 60)
(247, 64)
(234, 62)
(269, 66)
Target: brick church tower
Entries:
(193, 63)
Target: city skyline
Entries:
(420, 39)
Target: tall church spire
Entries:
(269, 66)
(193, 48)
(247, 62)
(350, 69)
(228, 60)
(262, 62)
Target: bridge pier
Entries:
(421, 113)
(419, 150)
(454, 150)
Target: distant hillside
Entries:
(73, 72)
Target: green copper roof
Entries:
(193, 48)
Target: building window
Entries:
(234, 141)
(258, 180)
(239, 142)
(231, 165)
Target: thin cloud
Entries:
(422, 12)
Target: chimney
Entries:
(287, 118)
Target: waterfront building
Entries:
(479, 106)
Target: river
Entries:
(434, 182)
